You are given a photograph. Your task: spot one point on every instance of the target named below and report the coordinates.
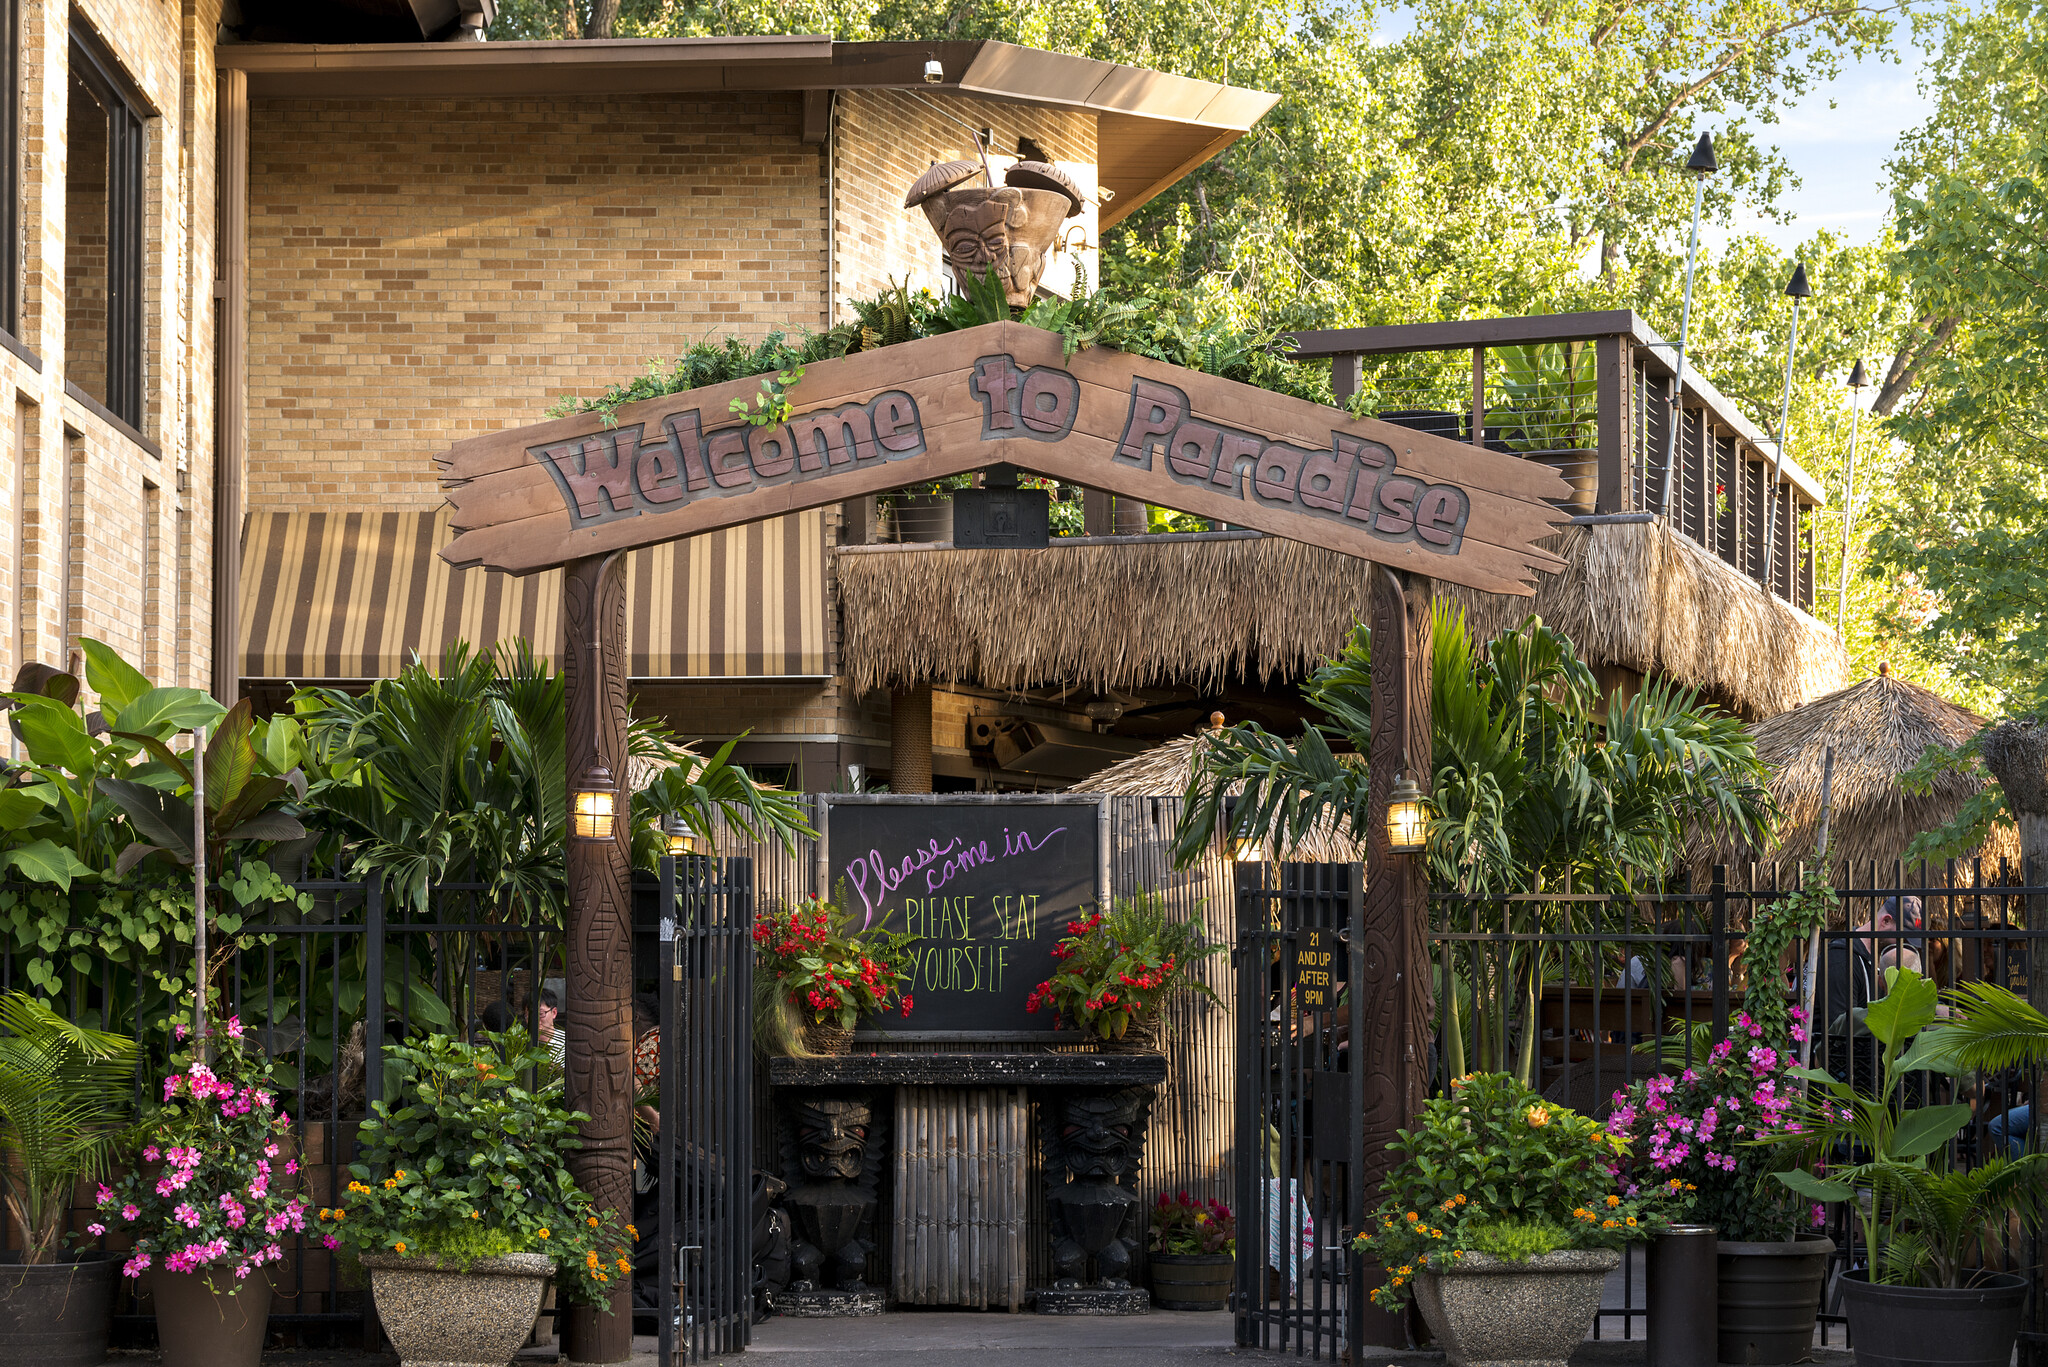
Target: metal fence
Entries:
(1584, 994)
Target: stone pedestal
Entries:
(1094, 1300)
(825, 1305)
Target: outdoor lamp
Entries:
(1407, 817)
(594, 805)
(681, 839)
(1249, 850)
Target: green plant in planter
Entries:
(469, 1166)
(1183, 1226)
(1118, 969)
(1552, 396)
(1495, 1168)
(1921, 1217)
(64, 1092)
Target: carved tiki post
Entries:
(598, 1013)
(1395, 941)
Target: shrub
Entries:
(1118, 968)
(1182, 1225)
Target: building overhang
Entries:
(1152, 128)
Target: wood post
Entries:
(910, 740)
(598, 1015)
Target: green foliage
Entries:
(709, 363)
(1517, 1241)
(1493, 1153)
(1790, 920)
(1551, 394)
(64, 1092)
(771, 405)
(828, 972)
(1992, 1029)
(1184, 1226)
(469, 1164)
(1921, 1218)
(1972, 822)
(1120, 967)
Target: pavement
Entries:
(1163, 1338)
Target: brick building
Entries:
(438, 239)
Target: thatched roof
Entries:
(1878, 728)
(1173, 611)
(1640, 595)
(1163, 771)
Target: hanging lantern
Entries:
(594, 805)
(1249, 850)
(681, 839)
(1407, 816)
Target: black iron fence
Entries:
(1585, 994)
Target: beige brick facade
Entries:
(100, 535)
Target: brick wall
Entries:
(886, 139)
(424, 270)
(98, 536)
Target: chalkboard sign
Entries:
(986, 885)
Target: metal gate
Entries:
(707, 1205)
(1299, 1144)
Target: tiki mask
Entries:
(832, 1137)
(1099, 1134)
(1005, 231)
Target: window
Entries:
(103, 208)
(10, 166)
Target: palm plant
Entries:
(64, 1091)
(1922, 1219)
(1537, 782)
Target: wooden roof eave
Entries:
(1154, 127)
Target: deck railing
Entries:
(1590, 394)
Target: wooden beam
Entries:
(598, 1015)
(1612, 374)
(1458, 335)
(231, 410)
(817, 117)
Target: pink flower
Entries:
(130, 1211)
(270, 1150)
(234, 1027)
(291, 1167)
(96, 1230)
(186, 1215)
(136, 1265)
(104, 1196)
(330, 1241)
(151, 1153)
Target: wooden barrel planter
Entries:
(1192, 1281)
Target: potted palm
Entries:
(1552, 392)
(1119, 969)
(64, 1093)
(1193, 1253)
(1924, 1297)
(462, 1209)
(1503, 1218)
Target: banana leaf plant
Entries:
(65, 1092)
(1922, 1217)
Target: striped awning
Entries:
(355, 595)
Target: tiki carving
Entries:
(1396, 982)
(1006, 231)
(1094, 1143)
(597, 1016)
(832, 1154)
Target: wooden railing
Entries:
(1590, 394)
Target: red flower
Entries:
(906, 1003)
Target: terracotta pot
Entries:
(438, 1314)
(1192, 1281)
(827, 1039)
(1488, 1310)
(56, 1314)
(214, 1321)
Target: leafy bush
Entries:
(214, 1189)
(1703, 1128)
(1495, 1155)
(1517, 1241)
(827, 971)
(1183, 1226)
(1120, 967)
(64, 1091)
(470, 1166)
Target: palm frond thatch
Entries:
(1878, 729)
(1197, 612)
(1163, 771)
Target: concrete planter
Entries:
(1489, 1313)
(440, 1316)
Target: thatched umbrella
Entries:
(1163, 771)
(1879, 729)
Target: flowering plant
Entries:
(1495, 1168)
(1704, 1127)
(1182, 1226)
(1116, 969)
(829, 972)
(470, 1166)
(214, 1190)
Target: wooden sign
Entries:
(1315, 969)
(536, 497)
(986, 885)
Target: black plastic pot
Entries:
(1192, 1281)
(56, 1314)
(1769, 1296)
(1919, 1326)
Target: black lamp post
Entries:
(1699, 166)
(1797, 289)
(1857, 381)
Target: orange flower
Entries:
(1613, 1201)
(1537, 1117)
(592, 1222)
(1413, 1217)
(1631, 1222)
(399, 1246)
(1610, 1224)
(543, 1231)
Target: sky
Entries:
(1839, 153)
